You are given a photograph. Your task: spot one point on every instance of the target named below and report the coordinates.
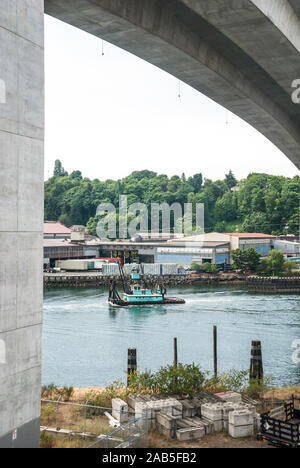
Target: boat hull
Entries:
(165, 301)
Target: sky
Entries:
(109, 115)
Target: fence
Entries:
(93, 424)
(132, 435)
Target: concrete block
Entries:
(214, 413)
(191, 433)
(132, 400)
(188, 409)
(140, 410)
(172, 407)
(119, 410)
(164, 431)
(241, 418)
(240, 431)
(167, 421)
(231, 397)
(208, 425)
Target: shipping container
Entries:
(152, 269)
(169, 269)
(72, 265)
(110, 270)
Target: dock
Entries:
(274, 285)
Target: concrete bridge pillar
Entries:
(21, 219)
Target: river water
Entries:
(85, 341)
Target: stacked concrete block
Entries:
(192, 428)
(166, 424)
(241, 423)
(189, 410)
(190, 433)
(229, 407)
(120, 410)
(153, 407)
(213, 412)
(230, 397)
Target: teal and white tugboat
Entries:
(138, 293)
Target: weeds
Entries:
(52, 392)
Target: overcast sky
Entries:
(110, 115)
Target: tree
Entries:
(195, 267)
(256, 222)
(264, 203)
(246, 259)
(275, 262)
(252, 259)
(239, 260)
(209, 268)
(289, 266)
(230, 180)
(58, 169)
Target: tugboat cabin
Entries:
(138, 294)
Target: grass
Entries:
(72, 418)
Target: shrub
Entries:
(48, 391)
(103, 398)
(183, 379)
(196, 267)
(52, 392)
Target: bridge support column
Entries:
(21, 219)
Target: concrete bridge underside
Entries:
(243, 54)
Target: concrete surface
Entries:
(21, 219)
(244, 54)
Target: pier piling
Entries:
(131, 363)
(175, 353)
(256, 363)
(215, 335)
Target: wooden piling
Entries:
(175, 353)
(131, 363)
(215, 335)
(256, 362)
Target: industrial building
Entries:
(262, 243)
(204, 248)
(56, 231)
(213, 248)
(289, 248)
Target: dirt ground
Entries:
(220, 440)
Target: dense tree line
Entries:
(259, 203)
